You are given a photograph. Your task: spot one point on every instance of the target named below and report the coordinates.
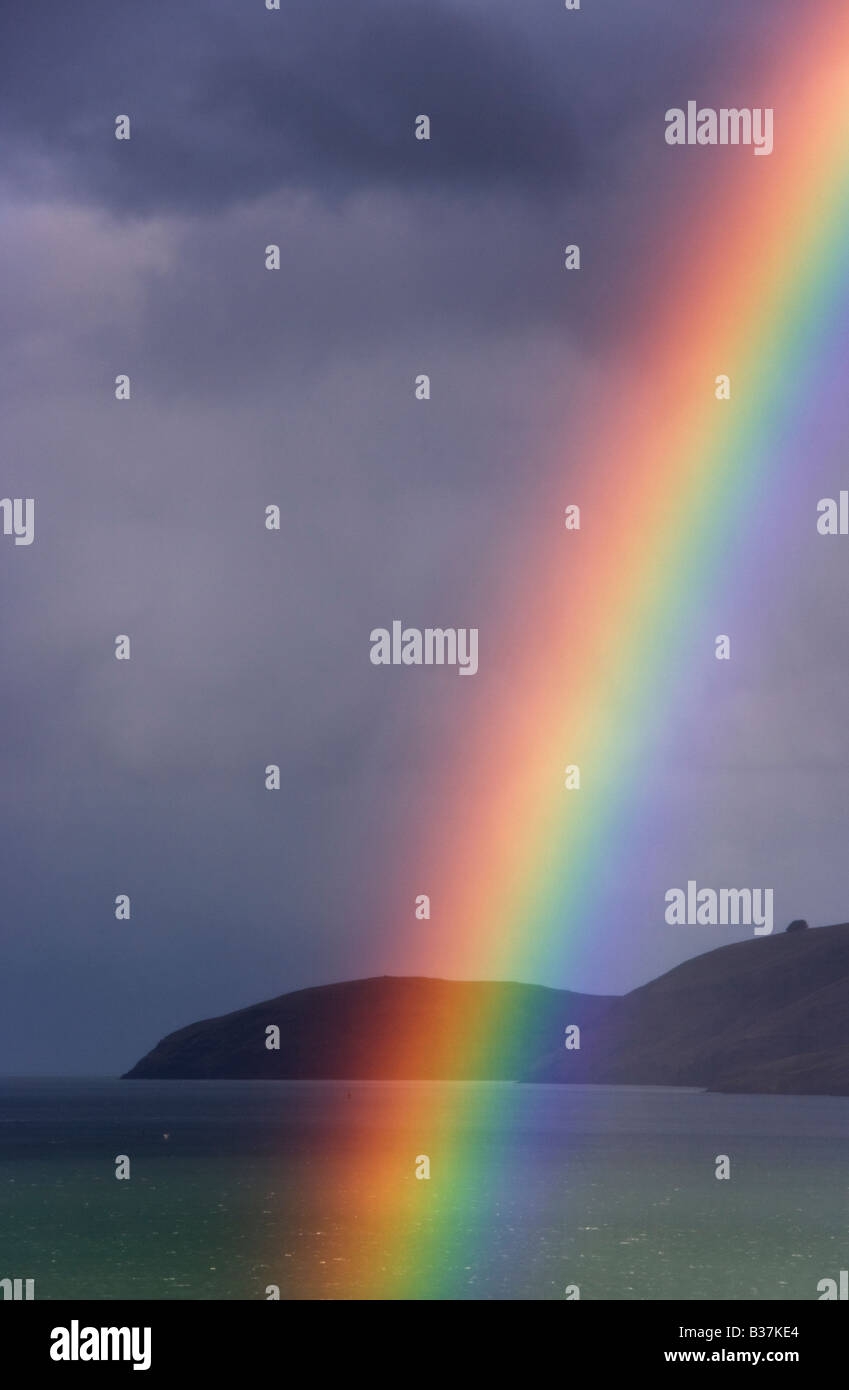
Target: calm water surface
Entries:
(311, 1186)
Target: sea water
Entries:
(239, 1187)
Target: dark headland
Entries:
(770, 1015)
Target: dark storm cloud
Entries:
(230, 102)
(296, 128)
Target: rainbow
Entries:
(756, 276)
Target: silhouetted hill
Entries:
(767, 1015)
(770, 1014)
(403, 1028)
